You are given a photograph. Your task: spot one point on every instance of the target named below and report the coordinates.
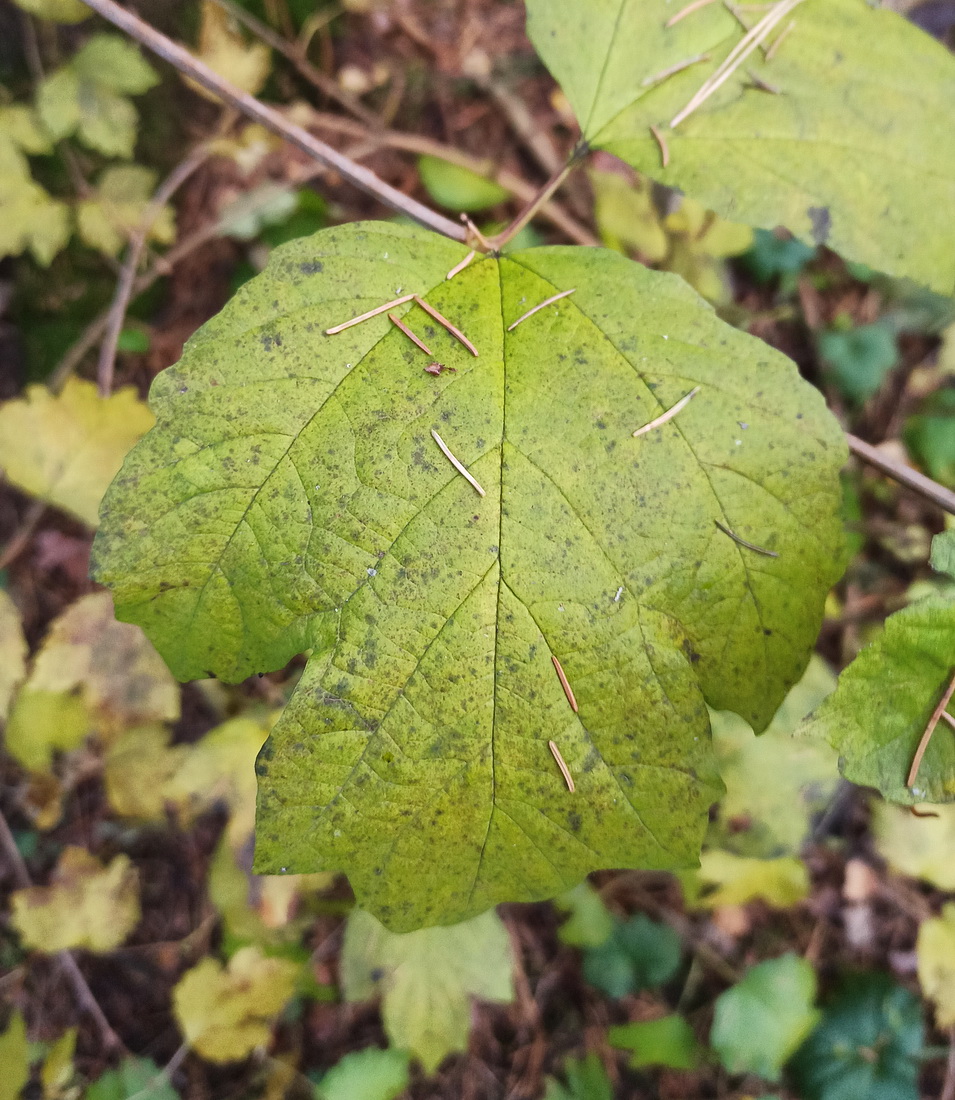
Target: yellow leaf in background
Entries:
(116, 209)
(92, 665)
(918, 846)
(14, 1058)
(86, 905)
(58, 11)
(43, 723)
(29, 217)
(626, 215)
(776, 781)
(711, 234)
(137, 768)
(57, 1069)
(738, 880)
(224, 50)
(65, 449)
(221, 767)
(936, 964)
(13, 652)
(224, 1013)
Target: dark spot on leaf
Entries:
(821, 223)
(311, 267)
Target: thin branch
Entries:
(271, 119)
(904, 475)
(533, 206)
(81, 989)
(929, 730)
(684, 12)
(124, 287)
(425, 146)
(21, 539)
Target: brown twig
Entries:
(21, 539)
(271, 119)
(535, 204)
(124, 287)
(929, 730)
(904, 475)
(68, 964)
(425, 146)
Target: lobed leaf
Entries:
(847, 154)
(292, 498)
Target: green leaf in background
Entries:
(847, 155)
(930, 435)
(586, 1079)
(30, 218)
(774, 782)
(590, 923)
(369, 1074)
(668, 1041)
(639, 954)
(426, 979)
(458, 188)
(920, 847)
(728, 879)
(759, 1022)
(293, 498)
(859, 358)
(14, 1058)
(879, 711)
(87, 96)
(57, 11)
(773, 256)
(139, 1077)
(943, 553)
(866, 1045)
(116, 207)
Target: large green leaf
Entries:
(887, 697)
(292, 498)
(854, 152)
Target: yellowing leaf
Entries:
(66, 448)
(918, 846)
(224, 50)
(224, 1013)
(427, 978)
(13, 652)
(626, 215)
(57, 11)
(86, 905)
(57, 1069)
(936, 964)
(14, 1058)
(780, 882)
(110, 665)
(29, 217)
(88, 95)
(117, 207)
(774, 781)
(137, 768)
(44, 722)
(221, 767)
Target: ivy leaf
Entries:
(846, 155)
(667, 1041)
(292, 497)
(759, 1022)
(116, 209)
(226, 1012)
(591, 923)
(867, 1044)
(86, 905)
(639, 954)
(21, 125)
(139, 1077)
(427, 978)
(885, 698)
(88, 95)
(64, 448)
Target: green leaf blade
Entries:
(845, 155)
(292, 497)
